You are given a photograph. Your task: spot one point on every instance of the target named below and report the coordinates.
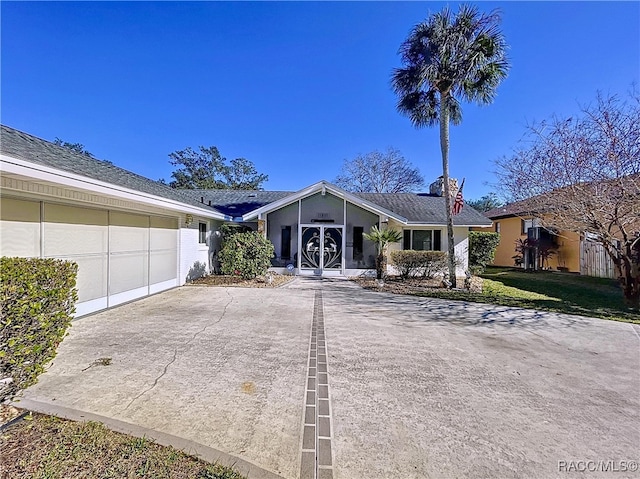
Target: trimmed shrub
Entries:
(419, 263)
(246, 254)
(37, 300)
(228, 230)
(482, 249)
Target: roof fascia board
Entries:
(318, 187)
(443, 225)
(39, 172)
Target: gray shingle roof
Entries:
(236, 203)
(517, 208)
(233, 203)
(419, 208)
(30, 148)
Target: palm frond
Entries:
(462, 55)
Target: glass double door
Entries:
(321, 248)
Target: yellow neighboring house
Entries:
(515, 225)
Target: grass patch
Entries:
(547, 291)
(559, 292)
(46, 447)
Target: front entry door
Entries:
(321, 248)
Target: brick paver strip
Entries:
(316, 458)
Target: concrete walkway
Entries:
(323, 379)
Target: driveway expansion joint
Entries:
(317, 456)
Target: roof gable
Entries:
(236, 203)
(325, 186)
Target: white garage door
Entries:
(19, 228)
(80, 235)
(120, 256)
(163, 254)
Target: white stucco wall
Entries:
(461, 248)
(195, 258)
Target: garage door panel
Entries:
(19, 228)
(163, 266)
(19, 210)
(69, 230)
(163, 257)
(117, 218)
(162, 239)
(128, 232)
(92, 276)
(128, 271)
(164, 222)
(62, 239)
(19, 238)
(73, 215)
(128, 239)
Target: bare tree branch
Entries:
(378, 172)
(583, 175)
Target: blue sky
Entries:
(295, 87)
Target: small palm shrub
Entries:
(382, 238)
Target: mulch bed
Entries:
(237, 281)
(397, 285)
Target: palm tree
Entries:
(447, 58)
(382, 238)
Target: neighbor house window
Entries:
(422, 240)
(497, 227)
(202, 233)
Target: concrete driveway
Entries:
(323, 379)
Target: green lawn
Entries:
(45, 447)
(549, 291)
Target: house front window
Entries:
(358, 242)
(202, 233)
(422, 240)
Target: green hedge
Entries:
(246, 254)
(419, 263)
(482, 250)
(37, 300)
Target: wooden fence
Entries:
(594, 260)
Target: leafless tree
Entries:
(582, 174)
(378, 172)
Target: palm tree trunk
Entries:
(381, 266)
(444, 147)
